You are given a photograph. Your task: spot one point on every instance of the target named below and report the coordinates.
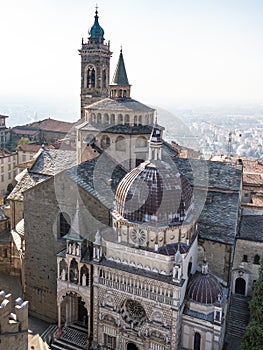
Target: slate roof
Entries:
(120, 75)
(119, 105)
(48, 163)
(27, 181)
(218, 219)
(52, 161)
(99, 176)
(217, 175)
(251, 228)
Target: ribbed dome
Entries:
(96, 32)
(204, 288)
(155, 193)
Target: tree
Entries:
(23, 141)
(253, 337)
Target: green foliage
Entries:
(253, 338)
(23, 141)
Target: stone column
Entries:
(67, 312)
(59, 315)
(89, 325)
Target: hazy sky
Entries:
(175, 51)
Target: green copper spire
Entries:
(120, 76)
(96, 32)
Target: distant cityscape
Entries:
(230, 130)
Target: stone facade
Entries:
(13, 327)
(42, 229)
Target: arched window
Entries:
(64, 224)
(120, 119)
(112, 119)
(256, 259)
(92, 118)
(106, 118)
(90, 78)
(135, 120)
(105, 141)
(99, 118)
(127, 119)
(104, 79)
(147, 120)
(140, 120)
(141, 142)
(197, 341)
(120, 144)
(244, 258)
(189, 269)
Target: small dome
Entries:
(155, 193)
(96, 32)
(204, 288)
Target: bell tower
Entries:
(95, 66)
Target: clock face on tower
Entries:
(138, 236)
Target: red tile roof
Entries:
(28, 148)
(252, 166)
(52, 125)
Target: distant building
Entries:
(51, 130)
(44, 131)
(252, 194)
(5, 244)
(25, 153)
(4, 132)
(8, 162)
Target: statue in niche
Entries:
(77, 249)
(63, 275)
(73, 249)
(84, 280)
(70, 248)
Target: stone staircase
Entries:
(47, 335)
(237, 320)
(73, 337)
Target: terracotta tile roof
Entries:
(257, 200)
(24, 130)
(252, 179)
(4, 152)
(52, 125)
(28, 148)
(252, 166)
